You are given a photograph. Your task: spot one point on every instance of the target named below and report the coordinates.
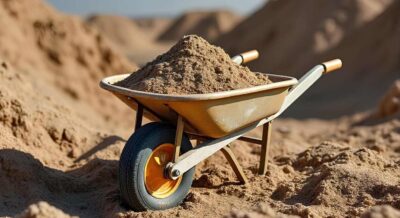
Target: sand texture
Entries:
(59, 49)
(192, 66)
(61, 135)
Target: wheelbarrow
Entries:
(158, 162)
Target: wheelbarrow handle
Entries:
(246, 57)
(332, 65)
(308, 80)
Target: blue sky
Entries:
(151, 8)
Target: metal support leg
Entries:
(139, 117)
(266, 138)
(230, 156)
(178, 137)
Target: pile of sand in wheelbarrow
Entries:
(193, 66)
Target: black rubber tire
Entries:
(132, 163)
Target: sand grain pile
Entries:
(193, 66)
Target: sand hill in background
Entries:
(208, 25)
(122, 31)
(286, 30)
(61, 50)
(130, 39)
(326, 30)
(153, 27)
(371, 55)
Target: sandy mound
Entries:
(390, 102)
(355, 31)
(82, 191)
(208, 25)
(153, 27)
(128, 37)
(282, 37)
(33, 122)
(381, 212)
(262, 211)
(42, 210)
(43, 133)
(59, 49)
(336, 175)
(371, 53)
(387, 109)
(193, 66)
(122, 31)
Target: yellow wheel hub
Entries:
(156, 184)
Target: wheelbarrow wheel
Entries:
(142, 181)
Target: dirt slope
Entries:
(363, 33)
(41, 127)
(282, 38)
(122, 31)
(390, 102)
(371, 57)
(208, 25)
(130, 39)
(60, 49)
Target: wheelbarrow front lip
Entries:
(108, 84)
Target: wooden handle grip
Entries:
(249, 56)
(332, 65)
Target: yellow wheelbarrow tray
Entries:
(214, 120)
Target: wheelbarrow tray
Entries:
(214, 114)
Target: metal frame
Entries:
(266, 139)
(226, 150)
(180, 125)
(139, 116)
(230, 156)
